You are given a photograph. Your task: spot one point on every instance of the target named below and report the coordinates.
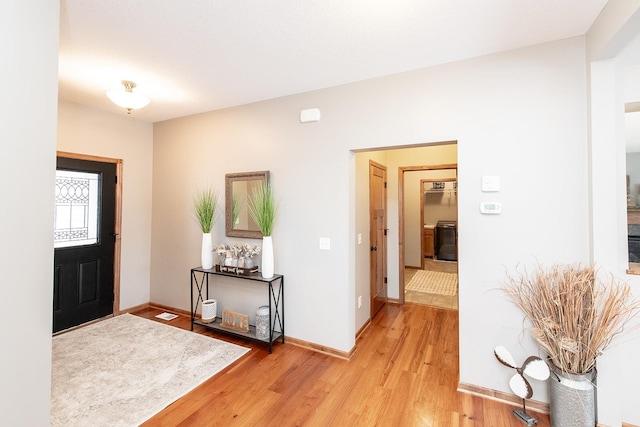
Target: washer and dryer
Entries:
(446, 241)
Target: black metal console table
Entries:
(275, 286)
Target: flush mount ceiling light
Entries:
(128, 98)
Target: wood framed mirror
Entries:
(238, 187)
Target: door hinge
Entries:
(385, 184)
(385, 231)
(116, 179)
(385, 280)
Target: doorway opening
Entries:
(431, 269)
(398, 161)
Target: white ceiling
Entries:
(191, 56)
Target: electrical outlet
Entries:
(325, 243)
(360, 301)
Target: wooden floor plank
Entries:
(404, 373)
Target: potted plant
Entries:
(574, 316)
(262, 208)
(205, 204)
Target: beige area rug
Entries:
(434, 282)
(123, 370)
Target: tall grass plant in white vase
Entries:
(262, 208)
(205, 204)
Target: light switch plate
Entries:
(490, 183)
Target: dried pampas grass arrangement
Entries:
(574, 314)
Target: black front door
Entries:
(84, 242)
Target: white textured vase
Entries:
(267, 257)
(207, 251)
(209, 310)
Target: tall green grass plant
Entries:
(205, 204)
(262, 208)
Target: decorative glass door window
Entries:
(76, 208)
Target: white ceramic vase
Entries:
(209, 310)
(207, 251)
(267, 257)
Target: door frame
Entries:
(401, 171)
(117, 218)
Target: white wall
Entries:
(518, 114)
(29, 55)
(525, 122)
(307, 170)
(611, 49)
(90, 131)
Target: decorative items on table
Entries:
(262, 208)
(574, 317)
(209, 310)
(237, 259)
(205, 204)
(262, 322)
(533, 367)
(235, 321)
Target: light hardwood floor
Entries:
(403, 373)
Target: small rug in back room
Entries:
(434, 282)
